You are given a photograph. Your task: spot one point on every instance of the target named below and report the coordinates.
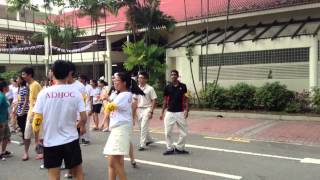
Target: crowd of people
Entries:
(59, 115)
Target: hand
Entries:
(150, 114)
(161, 117)
(186, 114)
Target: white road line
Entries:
(199, 171)
(237, 152)
(310, 161)
(15, 142)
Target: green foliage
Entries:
(299, 103)
(273, 96)
(242, 96)
(316, 99)
(8, 75)
(18, 5)
(145, 57)
(217, 98)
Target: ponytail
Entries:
(134, 88)
(131, 84)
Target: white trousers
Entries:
(170, 119)
(143, 115)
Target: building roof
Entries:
(196, 9)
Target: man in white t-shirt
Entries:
(146, 105)
(85, 139)
(59, 106)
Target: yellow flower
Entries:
(110, 107)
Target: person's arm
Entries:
(165, 102)
(134, 107)
(186, 103)
(82, 122)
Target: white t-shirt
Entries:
(88, 95)
(59, 106)
(146, 100)
(79, 86)
(96, 92)
(123, 113)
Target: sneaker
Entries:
(134, 164)
(105, 130)
(149, 142)
(85, 142)
(168, 152)
(141, 149)
(181, 151)
(2, 158)
(7, 154)
(42, 166)
(68, 176)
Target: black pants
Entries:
(22, 123)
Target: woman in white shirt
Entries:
(121, 121)
(96, 103)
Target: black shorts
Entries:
(96, 108)
(70, 153)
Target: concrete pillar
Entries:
(46, 54)
(108, 61)
(169, 66)
(313, 64)
(18, 16)
(128, 38)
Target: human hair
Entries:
(3, 84)
(94, 82)
(174, 71)
(60, 69)
(131, 84)
(144, 74)
(23, 82)
(28, 70)
(102, 82)
(84, 77)
(72, 68)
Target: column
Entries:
(46, 54)
(108, 61)
(313, 64)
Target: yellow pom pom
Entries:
(110, 107)
(37, 121)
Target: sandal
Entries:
(68, 176)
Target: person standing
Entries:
(176, 102)
(27, 74)
(96, 103)
(121, 120)
(146, 105)
(23, 105)
(85, 138)
(57, 107)
(4, 118)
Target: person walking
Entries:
(176, 103)
(56, 109)
(121, 120)
(146, 105)
(96, 103)
(27, 73)
(23, 105)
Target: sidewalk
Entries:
(303, 132)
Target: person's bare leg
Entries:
(4, 145)
(77, 172)
(131, 153)
(111, 171)
(54, 173)
(27, 143)
(119, 167)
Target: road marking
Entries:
(235, 139)
(310, 161)
(237, 152)
(15, 142)
(199, 171)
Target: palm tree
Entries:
(22, 5)
(92, 8)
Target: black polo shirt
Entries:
(175, 97)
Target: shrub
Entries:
(299, 103)
(273, 96)
(8, 75)
(215, 98)
(316, 99)
(242, 96)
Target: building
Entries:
(266, 41)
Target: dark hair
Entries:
(144, 74)
(130, 83)
(94, 82)
(3, 84)
(84, 77)
(60, 69)
(102, 82)
(112, 89)
(28, 70)
(23, 82)
(174, 71)
(72, 68)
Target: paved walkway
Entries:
(242, 129)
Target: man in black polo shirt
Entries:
(176, 100)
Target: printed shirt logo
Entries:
(56, 95)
